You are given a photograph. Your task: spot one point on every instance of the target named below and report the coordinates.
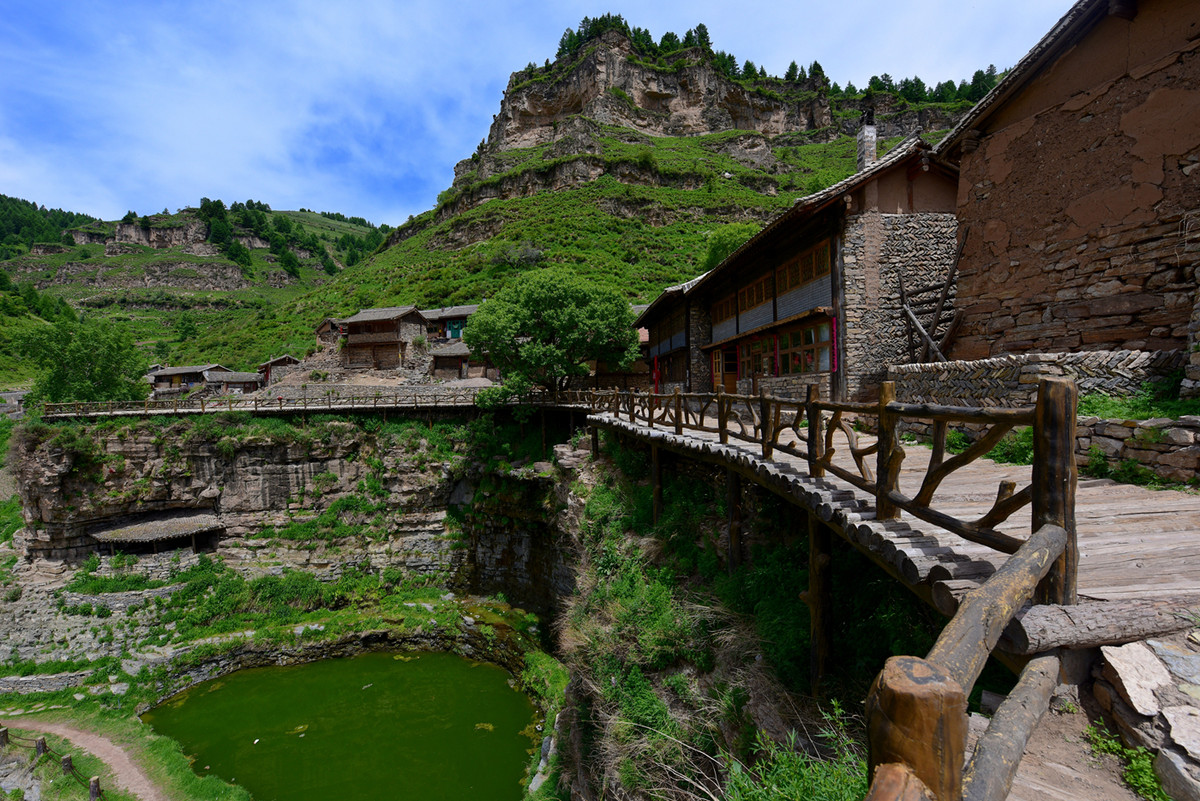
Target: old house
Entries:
(814, 296)
(382, 338)
(177, 380)
(274, 369)
(448, 322)
(330, 330)
(1080, 185)
(230, 382)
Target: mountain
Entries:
(620, 159)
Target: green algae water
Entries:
(381, 725)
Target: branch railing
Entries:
(916, 710)
(40, 748)
(393, 399)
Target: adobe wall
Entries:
(876, 250)
(1082, 198)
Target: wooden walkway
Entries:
(1135, 543)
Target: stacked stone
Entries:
(1168, 447)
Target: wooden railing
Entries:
(415, 398)
(916, 710)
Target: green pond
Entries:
(381, 725)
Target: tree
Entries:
(724, 241)
(544, 328)
(749, 70)
(793, 72)
(93, 360)
(702, 36)
(185, 327)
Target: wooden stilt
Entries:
(595, 442)
(734, 556)
(656, 479)
(1055, 476)
(819, 598)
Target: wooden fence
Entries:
(917, 707)
(400, 398)
(40, 748)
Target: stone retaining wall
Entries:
(1011, 380)
(1168, 447)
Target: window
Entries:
(808, 349)
(808, 266)
(724, 309)
(757, 293)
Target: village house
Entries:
(230, 382)
(448, 322)
(1080, 187)
(178, 380)
(815, 296)
(274, 369)
(330, 330)
(382, 338)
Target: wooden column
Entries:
(819, 598)
(1055, 476)
(816, 443)
(39, 745)
(678, 412)
(656, 481)
(885, 470)
(595, 442)
(3, 736)
(734, 483)
(94, 788)
(765, 429)
(722, 416)
(917, 718)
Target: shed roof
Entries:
(164, 528)
(194, 368)
(377, 315)
(449, 312)
(456, 348)
(232, 377)
(286, 358)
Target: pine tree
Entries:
(793, 72)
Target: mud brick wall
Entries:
(1081, 200)
(877, 250)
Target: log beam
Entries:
(1091, 624)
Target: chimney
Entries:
(868, 154)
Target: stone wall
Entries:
(877, 249)
(1167, 447)
(788, 386)
(1012, 380)
(700, 362)
(1081, 200)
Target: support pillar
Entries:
(656, 481)
(819, 598)
(595, 442)
(734, 556)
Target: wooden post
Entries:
(678, 412)
(66, 763)
(1055, 476)
(3, 736)
(595, 442)
(917, 717)
(722, 416)
(39, 746)
(764, 423)
(656, 481)
(886, 476)
(734, 555)
(819, 598)
(94, 788)
(816, 437)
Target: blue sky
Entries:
(364, 107)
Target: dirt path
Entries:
(128, 776)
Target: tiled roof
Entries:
(233, 378)
(376, 315)
(162, 529)
(449, 312)
(195, 368)
(456, 348)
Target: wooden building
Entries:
(330, 330)
(229, 382)
(178, 380)
(448, 322)
(274, 369)
(1080, 183)
(382, 338)
(814, 296)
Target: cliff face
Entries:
(610, 86)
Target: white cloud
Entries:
(364, 107)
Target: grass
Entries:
(1154, 399)
(1137, 763)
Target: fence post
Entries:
(39, 745)
(3, 736)
(886, 478)
(722, 415)
(66, 764)
(94, 788)
(816, 443)
(917, 718)
(1054, 479)
(765, 429)
(678, 412)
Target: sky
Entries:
(364, 106)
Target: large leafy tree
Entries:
(543, 329)
(92, 360)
